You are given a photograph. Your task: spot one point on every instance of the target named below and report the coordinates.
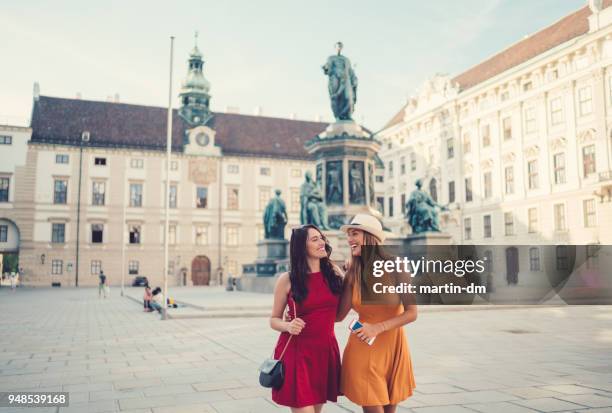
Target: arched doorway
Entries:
(200, 270)
(9, 249)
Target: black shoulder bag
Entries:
(272, 371)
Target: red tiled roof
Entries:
(61, 121)
(567, 28)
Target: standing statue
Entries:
(342, 84)
(313, 210)
(275, 218)
(333, 189)
(421, 211)
(357, 192)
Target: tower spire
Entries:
(194, 95)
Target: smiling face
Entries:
(315, 244)
(355, 238)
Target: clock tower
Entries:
(194, 107)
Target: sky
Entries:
(265, 54)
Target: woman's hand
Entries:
(295, 326)
(368, 331)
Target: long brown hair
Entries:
(299, 271)
(359, 265)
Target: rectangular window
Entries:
(467, 228)
(562, 257)
(468, 190)
(264, 197)
(58, 233)
(6, 140)
(467, 143)
(391, 206)
(4, 189)
(201, 197)
(556, 111)
(133, 267)
(534, 259)
(403, 165)
(233, 169)
(97, 233)
(451, 192)
(380, 204)
(295, 200)
(390, 169)
(296, 173)
(232, 198)
(60, 191)
(231, 236)
(588, 160)
(136, 163)
(413, 162)
(486, 223)
(3, 233)
(96, 267)
(590, 218)
(488, 185)
(527, 86)
(509, 180)
(135, 195)
(585, 100)
(450, 148)
(134, 234)
(57, 267)
(172, 199)
(201, 235)
(508, 223)
(559, 167)
(532, 173)
(403, 204)
(98, 193)
(100, 161)
(592, 255)
(559, 217)
(530, 120)
(507, 126)
(61, 158)
(265, 171)
(532, 220)
(380, 178)
(486, 135)
(171, 234)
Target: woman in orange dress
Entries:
(378, 376)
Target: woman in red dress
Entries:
(312, 358)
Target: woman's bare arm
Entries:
(277, 323)
(409, 315)
(346, 299)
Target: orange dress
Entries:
(379, 374)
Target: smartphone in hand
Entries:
(355, 324)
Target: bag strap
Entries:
(290, 335)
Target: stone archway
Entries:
(9, 247)
(200, 270)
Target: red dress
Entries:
(312, 359)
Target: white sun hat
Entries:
(367, 223)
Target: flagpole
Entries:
(167, 196)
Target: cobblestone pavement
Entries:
(111, 356)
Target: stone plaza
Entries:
(113, 357)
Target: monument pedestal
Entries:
(345, 156)
(272, 259)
